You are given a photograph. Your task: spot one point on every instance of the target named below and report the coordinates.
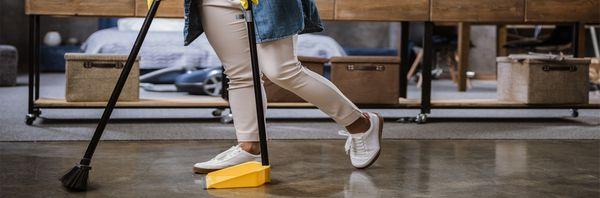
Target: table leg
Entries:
(464, 45)
(31, 54)
(578, 49)
(501, 38)
(426, 69)
(33, 72)
(404, 51)
(36, 57)
(579, 40)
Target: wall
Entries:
(363, 34)
(482, 57)
(14, 28)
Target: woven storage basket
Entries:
(595, 71)
(92, 77)
(538, 79)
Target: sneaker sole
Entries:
(203, 171)
(380, 137)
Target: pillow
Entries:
(158, 25)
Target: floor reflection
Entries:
(511, 158)
(360, 184)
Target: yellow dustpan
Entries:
(250, 174)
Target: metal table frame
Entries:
(34, 110)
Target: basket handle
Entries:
(92, 64)
(365, 68)
(548, 68)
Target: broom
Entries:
(76, 179)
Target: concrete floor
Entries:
(315, 168)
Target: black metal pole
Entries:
(262, 131)
(404, 58)
(120, 83)
(36, 58)
(426, 69)
(575, 39)
(31, 55)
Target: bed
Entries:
(164, 48)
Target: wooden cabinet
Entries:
(362, 10)
(168, 8)
(563, 11)
(325, 8)
(478, 10)
(80, 7)
(382, 10)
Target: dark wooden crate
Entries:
(367, 79)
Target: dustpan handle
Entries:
(262, 133)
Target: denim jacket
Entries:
(274, 19)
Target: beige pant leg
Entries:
(278, 62)
(227, 35)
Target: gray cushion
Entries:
(8, 65)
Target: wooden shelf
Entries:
(201, 102)
(493, 103)
(215, 102)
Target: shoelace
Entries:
(357, 145)
(228, 153)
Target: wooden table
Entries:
(466, 12)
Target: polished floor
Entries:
(315, 168)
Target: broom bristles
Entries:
(77, 178)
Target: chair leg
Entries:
(453, 67)
(413, 68)
(420, 80)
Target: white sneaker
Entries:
(231, 157)
(364, 148)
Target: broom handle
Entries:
(120, 83)
(262, 133)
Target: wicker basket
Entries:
(92, 77)
(595, 71)
(537, 79)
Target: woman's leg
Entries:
(280, 64)
(226, 32)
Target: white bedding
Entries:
(165, 48)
